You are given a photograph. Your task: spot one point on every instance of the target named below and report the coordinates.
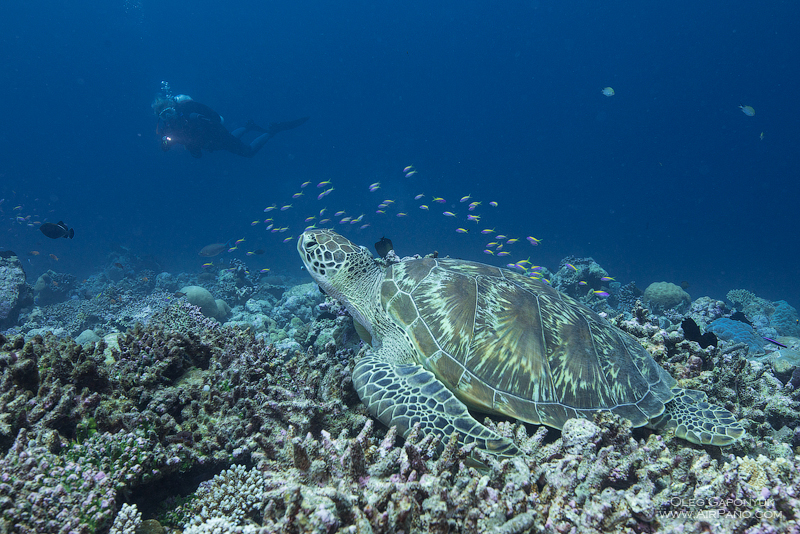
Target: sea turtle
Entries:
(447, 335)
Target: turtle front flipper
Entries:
(406, 394)
(695, 420)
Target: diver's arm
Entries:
(197, 111)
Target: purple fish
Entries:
(776, 342)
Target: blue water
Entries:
(665, 180)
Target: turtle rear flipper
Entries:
(406, 394)
(695, 420)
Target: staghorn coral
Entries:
(598, 477)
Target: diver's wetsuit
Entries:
(198, 128)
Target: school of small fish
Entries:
(467, 217)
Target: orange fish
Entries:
(34, 252)
(53, 256)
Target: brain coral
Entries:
(785, 319)
(736, 331)
(664, 295)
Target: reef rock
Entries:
(87, 336)
(203, 299)
(52, 288)
(14, 293)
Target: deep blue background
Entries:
(666, 180)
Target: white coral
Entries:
(127, 521)
(218, 525)
(233, 494)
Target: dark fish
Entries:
(178, 294)
(54, 231)
(383, 247)
(684, 285)
(739, 316)
(118, 265)
(213, 249)
(259, 251)
(692, 332)
(776, 342)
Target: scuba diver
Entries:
(197, 127)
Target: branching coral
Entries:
(598, 477)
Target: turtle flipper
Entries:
(406, 394)
(695, 420)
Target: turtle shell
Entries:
(507, 344)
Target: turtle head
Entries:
(333, 261)
(345, 272)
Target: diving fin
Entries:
(251, 126)
(277, 127)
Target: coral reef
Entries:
(705, 310)
(624, 297)
(115, 433)
(110, 311)
(180, 395)
(586, 281)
